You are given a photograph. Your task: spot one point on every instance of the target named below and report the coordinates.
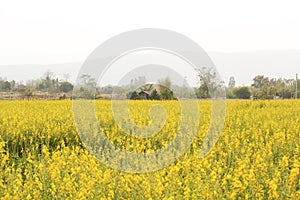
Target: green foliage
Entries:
(86, 89)
(154, 95)
(166, 82)
(6, 86)
(242, 93)
(202, 92)
(66, 87)
(265, 88)
(166, 94)
(210, 84)
(260, 81)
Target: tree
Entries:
(26, 93)
(166, 93)
(231, 83)
(260, 81)
(86, 88)
(242, 93)
(203, 92)
(154, 95)
(229, 90)
(183, 91)
(13, 84)
(265, 88)
(210, 84)
(165, 82)
(66, 87)
(137, 82)
(49, 85)
(6, 86)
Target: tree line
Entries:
(48, 84)
(262, 87)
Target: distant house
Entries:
(145, 95)
(153, 92)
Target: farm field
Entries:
(256, 157)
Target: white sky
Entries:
(124, 65)
(44, 32)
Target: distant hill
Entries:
(29, 72)
(242, 65)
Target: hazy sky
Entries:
(47, 32)
(43, 32)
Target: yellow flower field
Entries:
(256, 157)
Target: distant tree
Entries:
(230, 95)
(6, 86)
(242, 93)
(209, 83)
(165, 82)
(86, 88)
(289, 84)
(87, 81)
(154, 95)
(203, 92)
(107, 89)
(137, 82)
(264, 88)
(66, 87)
(260, 81)
(229, 89)
(183, 91)
(231, 83)
(48, 82)
(26, 93)
(13, 84)
(166, 93)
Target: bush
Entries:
(242, 93)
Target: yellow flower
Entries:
(256, 156)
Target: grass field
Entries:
(256, 157)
